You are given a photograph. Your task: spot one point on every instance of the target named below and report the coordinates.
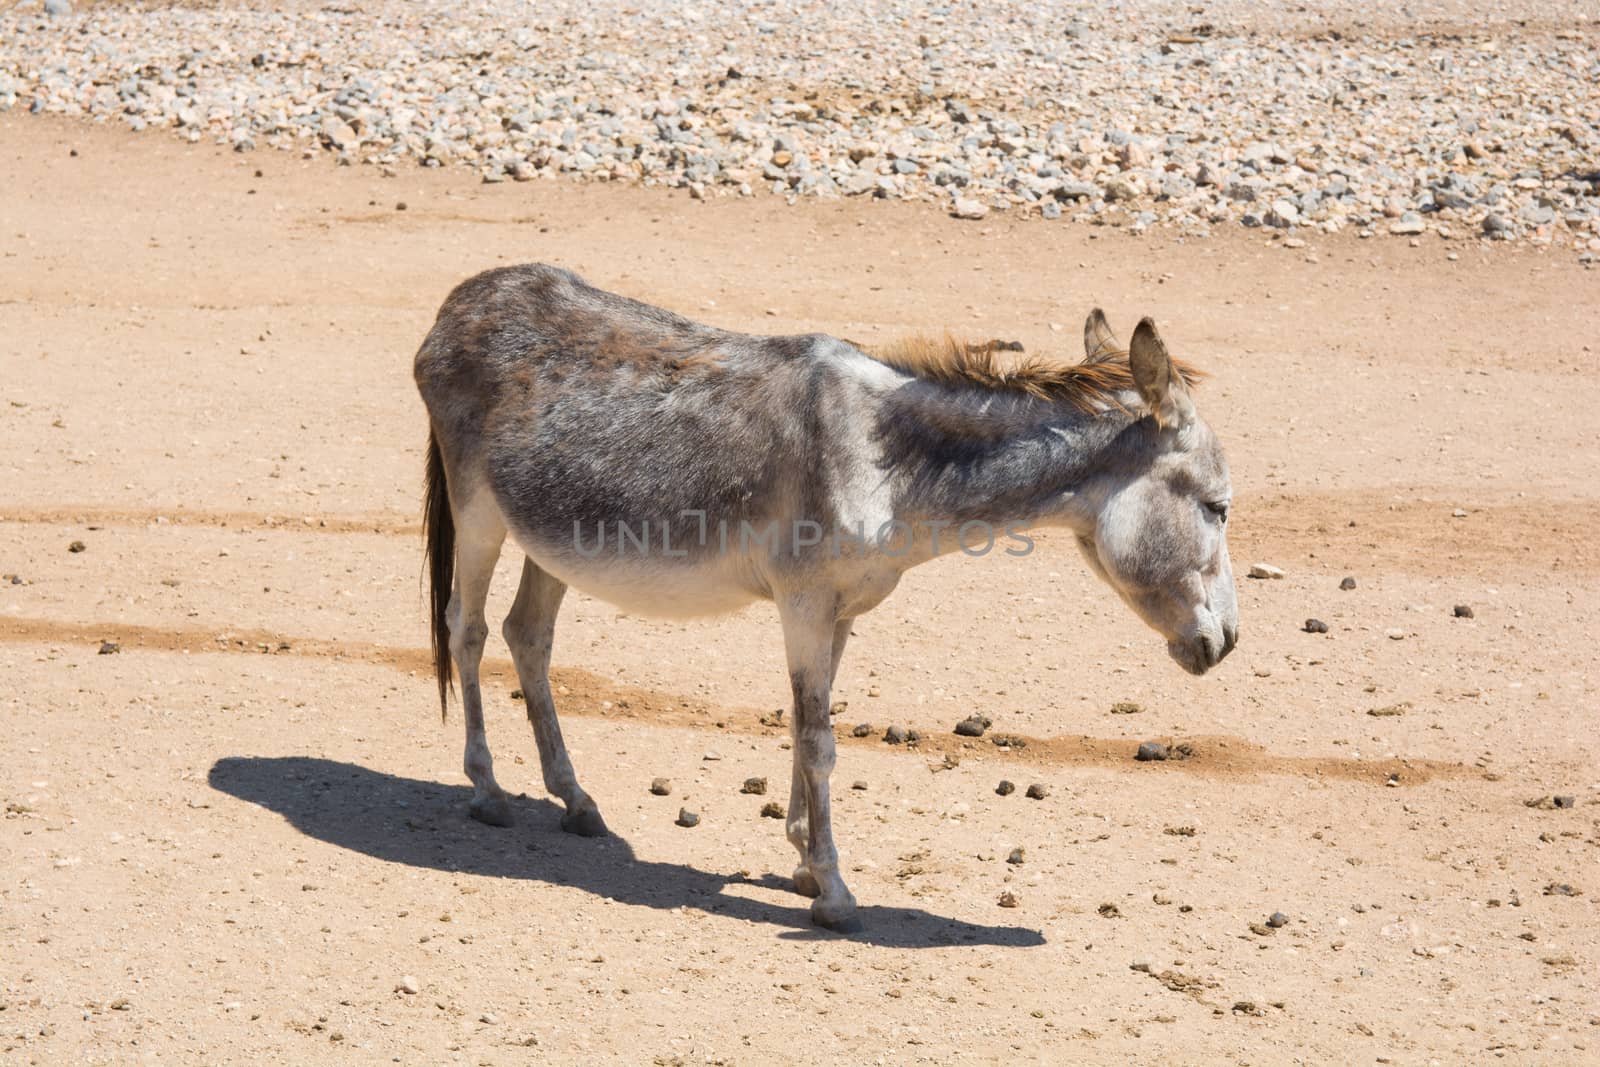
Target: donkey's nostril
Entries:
(1230, 638)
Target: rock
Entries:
(1265, 570)
(1126, 707)
(895, 735)
(57, 8)
(1038, 791)
(1277, 919)
(1152, 751)
(76, 546)
(967, 208)
(489, 1018)
(1462, 611)
(756, 787)
(1120, 189)
(1008, 899)
(1562, 801)
(1018, 855)
(1315, 626)
(408, 985)
(858, 784)
(1407, 225)
(1497, 226)
(688, 818)
(772, 810)
(661, 787)
(109, 648)
(1347, 584)
(863, 729)
(1395, 634)
(1283, 214)
(971, 727)
(1005, 788)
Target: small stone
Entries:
(1388, 711)
(1018, 854)
(1315, 626)
(1008, 899)
(408, 985)
(1347, 583)
(895, 735)
(1265, 570)
(1141, 965)
(1277, 919)
(772, 810)
(859, 784)
(1562, 801)
(57, 8)
(661, 787)
(967, 208)
(972, 727)
(489, 1017)
(1458, 513)
(109, 648)
(400, 205)
(1561, 889)
(712, 756)
(756, 787)
(1126, 707)
(1462, 611)
(863, 729)
(1407, 225)
(76, 546)
(1005, 788)
(688, 818)
(1152, 752)
(1038, 791)
(1109, 911)
(1395, 635)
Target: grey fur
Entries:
(557, 407)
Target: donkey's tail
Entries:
(439, 534)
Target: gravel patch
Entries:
(1436, 120)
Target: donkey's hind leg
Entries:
(530, 631)
(479, 535)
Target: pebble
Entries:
(967, 208)
(76, 546)
(1315, 626)
(1265, 570)
(1277, 919)
(1017, 856)
(863, 729)
(895, 735)
(1395, 635)
(490, 1018)
(858, 784)
(661, 787)
(707, 99)
(1562, 801)
(1005, 788)
(1462, 611)
(1347, 583)
(772, 810)
(754, 786)
(1008, 899)
(973, 726)
(408, 985)
(1037, 791)
(688, 818)
(109, 648)
(1152, 751)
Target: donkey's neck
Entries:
(959, 454)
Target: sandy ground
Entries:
(233, 840)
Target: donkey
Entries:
(801, 470)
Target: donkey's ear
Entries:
(1098, 340)
(1158, 381)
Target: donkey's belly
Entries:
(677, 587)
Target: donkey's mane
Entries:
(1091, 384)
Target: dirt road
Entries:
(238, 837)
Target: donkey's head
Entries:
(1158, 533)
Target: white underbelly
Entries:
(679, 588)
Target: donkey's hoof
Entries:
(805, 884)
(841, 919)
(492, 811)
(584, 823)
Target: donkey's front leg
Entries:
(799, 826)
(808, 635)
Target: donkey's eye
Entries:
(1219, 508)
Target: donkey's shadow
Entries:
(424, 824)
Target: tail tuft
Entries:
(439, 533)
